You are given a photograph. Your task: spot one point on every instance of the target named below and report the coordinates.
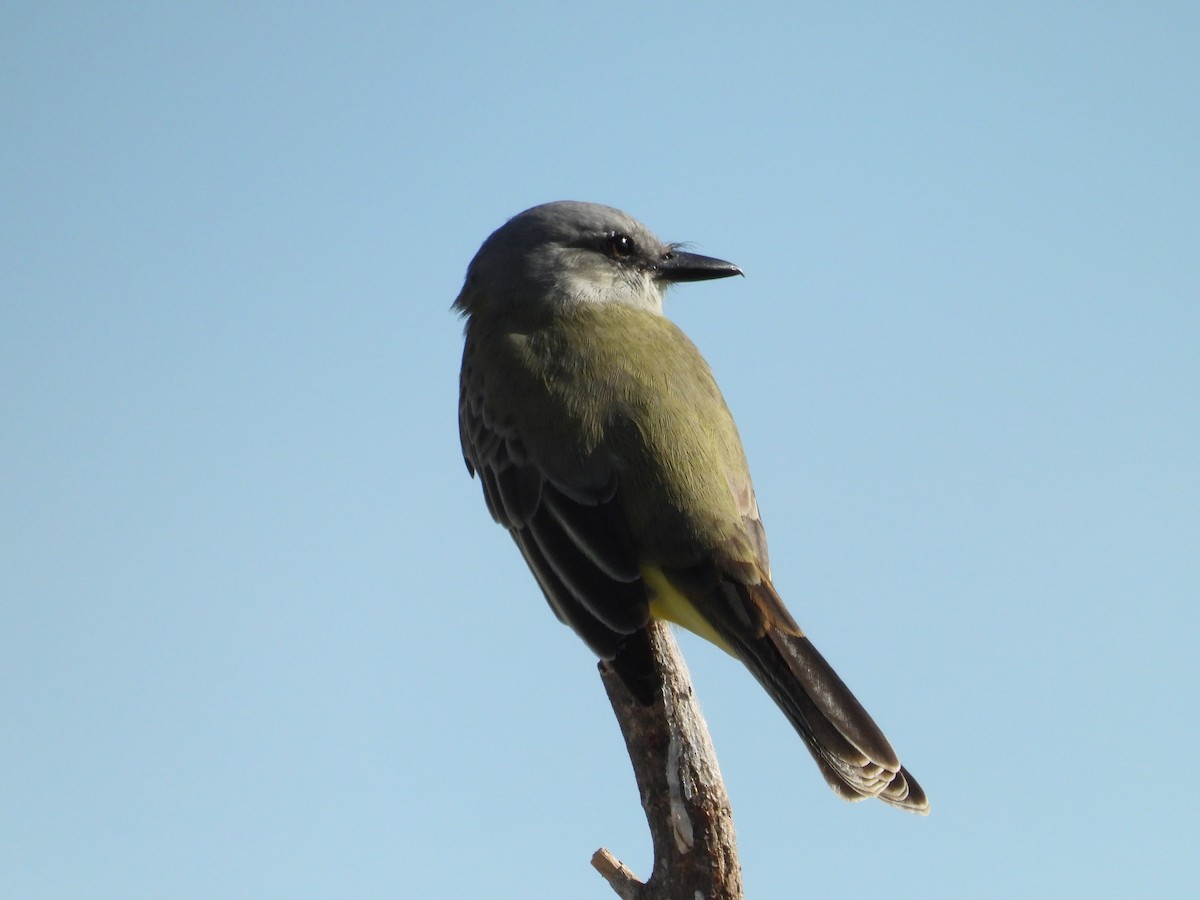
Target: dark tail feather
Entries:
(852, 753)
(634, 663)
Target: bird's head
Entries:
(568, 252)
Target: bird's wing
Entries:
(738, 476)
(573, 536)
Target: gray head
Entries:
(569, 252)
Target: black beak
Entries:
(679, 266)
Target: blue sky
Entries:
(258, 636)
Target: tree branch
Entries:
(691, 823)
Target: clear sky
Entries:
(258, 635)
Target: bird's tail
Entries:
(852, 753)
(850, 749)
(739, 610)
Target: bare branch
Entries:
(691, 823)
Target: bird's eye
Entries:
(620, 246)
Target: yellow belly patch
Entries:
(669, 603)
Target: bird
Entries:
(605, 448)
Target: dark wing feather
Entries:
(573, 537)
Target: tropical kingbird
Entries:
(606, 449)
